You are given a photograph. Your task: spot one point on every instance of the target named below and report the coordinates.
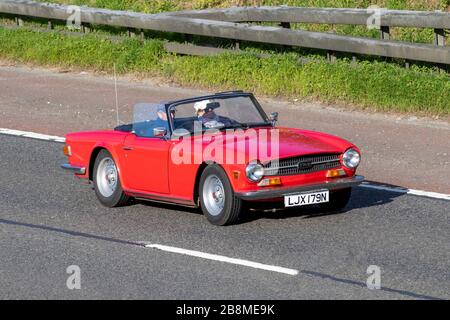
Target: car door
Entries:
(145, 164)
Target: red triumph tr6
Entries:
(217, 152)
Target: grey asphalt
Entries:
(50, 220)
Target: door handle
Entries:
(127, 148)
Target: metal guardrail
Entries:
(228, 24)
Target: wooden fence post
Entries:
(439, 40)
(331, 56)
(385, 33)
(85, 28)
(19, 21)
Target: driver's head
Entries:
(201, 107)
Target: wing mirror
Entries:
(273, 118)
(159, 132)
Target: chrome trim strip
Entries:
(73, 169)
(332, 184)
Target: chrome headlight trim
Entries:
(254, 171)
(351, 158)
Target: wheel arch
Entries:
(200, 170)
(92, 158)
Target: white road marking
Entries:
(422, 193)
(216, 257)
(32, 135)
(415, 192)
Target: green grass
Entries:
(377, 85)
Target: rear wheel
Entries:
(107, 182)
(217, 199)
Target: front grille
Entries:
(303, 164)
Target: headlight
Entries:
(351, 158)
(254, 171)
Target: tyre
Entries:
(217, 199)
(107, 182)
(338, 200)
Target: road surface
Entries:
(50, 220)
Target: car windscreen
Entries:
(217, 112)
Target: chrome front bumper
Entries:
(73, 169)
(334, 184)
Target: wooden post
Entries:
(439, 40)
(85, 28)
(50, 25)
(142, 35)
(19, 21)
(331, 56)
(286, 25)
(131, 33)
(385, 33)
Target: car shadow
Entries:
(362, 197)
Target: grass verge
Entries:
(378, 85)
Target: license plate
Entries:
(304, 199)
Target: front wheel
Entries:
(107, 182)
(217, 199)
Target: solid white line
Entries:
(422, 193)
(429, 194)
(415, 192)
(216, 257)
(32, 135)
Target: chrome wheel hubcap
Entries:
(107, 177)
(213, 195)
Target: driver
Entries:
(205, 113)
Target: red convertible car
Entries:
(216, 152)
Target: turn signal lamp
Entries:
(269, 182)
(67, 150)
(335, 173)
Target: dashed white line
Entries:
(32, 135)
(216, 257)
(422, 193)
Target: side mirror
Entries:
(273, 118)
(159, 132)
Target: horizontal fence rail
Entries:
(392, 18)
(207, 23)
